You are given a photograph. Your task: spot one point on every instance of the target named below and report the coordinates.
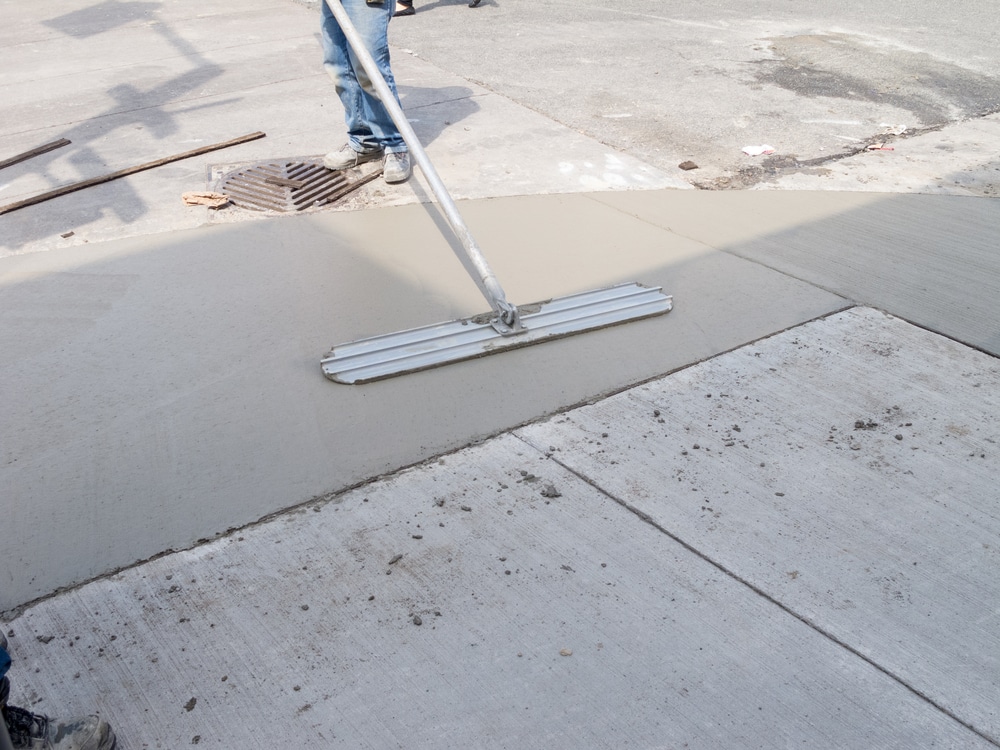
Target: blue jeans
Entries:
(369, 125)
(4, 682)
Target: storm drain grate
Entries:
(287, 186)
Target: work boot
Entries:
(37, 732)
(347, 157)
(397, 167)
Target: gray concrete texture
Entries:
(699, 81)
(161, 382)
(743, 554)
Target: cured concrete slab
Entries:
(931, 259)
(162, 390)
(846, 469)
(571, 592)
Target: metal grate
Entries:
(287, 186)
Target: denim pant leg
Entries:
(4, 666)
(369, 125)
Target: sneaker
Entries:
(347, 157)
(36, 732)
(397, 167)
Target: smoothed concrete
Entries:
(162, 390)
(931, 259)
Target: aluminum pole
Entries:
(488, 283)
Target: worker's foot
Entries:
(397, 167)
(37, 732)
(404, 8)
(347, 157)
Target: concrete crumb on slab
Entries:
(838, 547)
(884, 539)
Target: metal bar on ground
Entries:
(286, 182)
(126, 172)
(37, 151)
(381, 357)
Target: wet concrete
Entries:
(931, 259)
(181, 376)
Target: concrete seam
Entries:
(649, 520)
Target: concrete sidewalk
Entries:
(747, 553)
(765, 519)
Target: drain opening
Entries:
(292, 185)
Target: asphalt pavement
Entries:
(767, 518)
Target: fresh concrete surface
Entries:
(182, 393)
(932, 259)
(616, 576)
